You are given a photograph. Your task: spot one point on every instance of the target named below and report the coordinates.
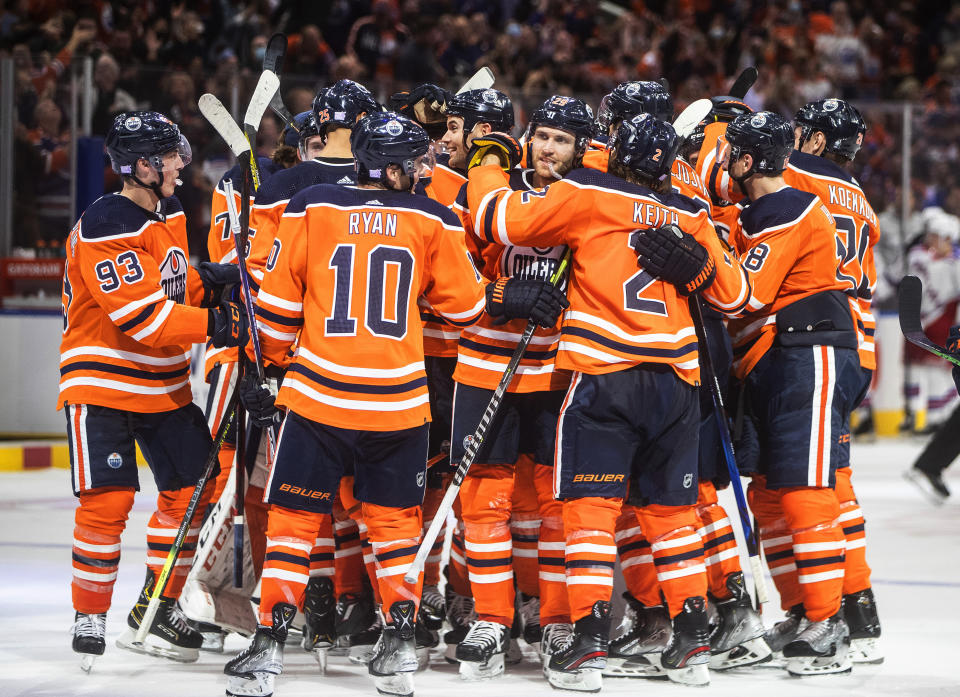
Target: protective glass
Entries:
(604, 115)
(421, 167)
(724, 153)
(177, 158)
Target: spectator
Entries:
(111, 100)
(52, 141)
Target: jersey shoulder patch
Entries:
(114, 215)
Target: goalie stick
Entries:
(910, 298)
(744, 82)
(476, 441)
(161, 583)
(726, 442)
(691, 117)
(273, 61)
(481, 80)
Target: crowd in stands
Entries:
(162, 54)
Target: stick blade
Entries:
(744, 82)
(267, 86)
(216, 113)
(910, 300)
(690, 117)
(276, 52)
(481, 80)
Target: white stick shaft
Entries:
(759, 580)
(426, 544)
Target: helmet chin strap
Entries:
(155, 188)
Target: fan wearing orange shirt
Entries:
(132, 308)
(631, 342)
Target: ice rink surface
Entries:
(913, 547)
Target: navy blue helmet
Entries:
(148, 135)
(631, 98)
(482, 106)
(341, 104)
(839, 121)
(566, 114)
(304, 126)
(386, 138)
(646, 146)
(764, 135)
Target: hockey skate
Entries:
(362, 644)
(529, 606)
(643, 633)
(860, 612)
(786, 630)
(460, 614)
(253, 672)
(432, 609)
(738, 638)
(88, 637)
(553, 639)
(394, 658)
(319, 612)
(686, 657)
(171, 635)
(424, 640)
(821, 648)
(482, 651)
(578, 663)
(355, 613)
(213, 637)
(930, 484)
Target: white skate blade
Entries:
(746, 654)
(634, 667)
(827, 665)
(155, 646)
(321, 655)
(398, 684)
(866, 651)
(423, 657)
(86, 661)
(473, 670)
(583, 680)
(514, 653)
(213, 642)
(697, 674)
(341, 648)
(450, 654)
(257, 684)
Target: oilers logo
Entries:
(173, 275)
(114, 461)
(538, 263)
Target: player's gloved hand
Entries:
(227, 325)
(259, 401)
(674, 256)
(953, 346)
(427, 105)
(513, 298)
(503, 145)
(216, 277)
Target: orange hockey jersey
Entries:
(127, 320)
(619, 315)
(787, 244)
(346, 272)
(486, 347)
(858, 232)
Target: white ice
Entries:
(913, 547)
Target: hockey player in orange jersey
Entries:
(557, 137)
(132, 307)
(828, 135)
(795, 352)
(348, 268)
(630, 339)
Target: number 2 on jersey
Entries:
(378, 320)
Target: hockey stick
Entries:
(744, 82)
(273, 61)
(691, 117)
(263, 93)
(161, 583)
(481, 80)
(720, 412)
(476, 441)
(910, 298)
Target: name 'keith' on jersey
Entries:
(127, 320)
(347, 271)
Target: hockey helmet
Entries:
(482, 106)
(566, 114)
(386, 138)
(149, 135)
(341, 104)
(646, 146)
(631, 98)
(764, 135)
(839, 121)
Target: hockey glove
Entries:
(953, 346)
(227, 325)
(513, 298)
(259, 401)
(216, 277)
(505, 146)
(427, 105)
(674, 256)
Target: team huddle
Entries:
(394, 269)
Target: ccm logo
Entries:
(309, 493)
(598, 478)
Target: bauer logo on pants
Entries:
(687, 480)
(114, 460)
(420, 479)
